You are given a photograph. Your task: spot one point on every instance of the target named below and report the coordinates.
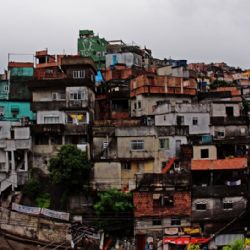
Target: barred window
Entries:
(137, 144)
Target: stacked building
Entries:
(158, 128)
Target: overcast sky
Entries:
(196, 30)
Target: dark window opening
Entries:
(230, 111)
(126, 165)
(175, 221)
(180, 120)
(56, 140)
(156, 222)
(41, 140)
(204, 153)
(139, 104)
(195, 121)
(201, 206)
(227, 205)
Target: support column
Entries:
(7, 164)
(25, 160)
(13, 167)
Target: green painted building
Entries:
(14, 111)
(92, 46)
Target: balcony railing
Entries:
(218, 191)
(220, 120)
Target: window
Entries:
(1, 111)
(227, 205)
(135, 105)
(137, 145)
(175, 221)
(220, 134)
(58, 96)
(164, 143)
(126, 165)
(167, 200)
(76, 96)
(51, 119)
(195, 121)
(6, 88)
(180, 120)
(139, 104)
(204, 153)
(77, 74)
(230, 111)
(56, 140)
(156, 222)
(41, 140)
(201, 206)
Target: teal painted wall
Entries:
(22, 72)
(4, 90)
(14, 111)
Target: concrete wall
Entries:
(128, 176)
(145, 225)
(219, 109)
(229, 131)
(21, 133)
(165, 71)
(215, 210)
(42, 95)
(107, 175)
(42, 114)
(127, 58)
(165, 154)
(166, 115)
(212, 152)
(148, 104)
(33, 227)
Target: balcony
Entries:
(48, 128)
(220, 120)
(151, 182)
(218, 191)
(172, 130)
(50, 105)
(23, 144)
(77, 104)
(74, 129)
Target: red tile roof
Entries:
(233, 163)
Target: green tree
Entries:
(221, 83)
(115, 211)
(32, 188)
(235, 245)
(70, 168)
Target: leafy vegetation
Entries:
(194, 247)
(32, 188)
(221, 83)
(43, 200)
(115, 211)
(235, 245)
(70, 168)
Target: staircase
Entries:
(10, 180)
(168, 165)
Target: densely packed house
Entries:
(174, 134)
